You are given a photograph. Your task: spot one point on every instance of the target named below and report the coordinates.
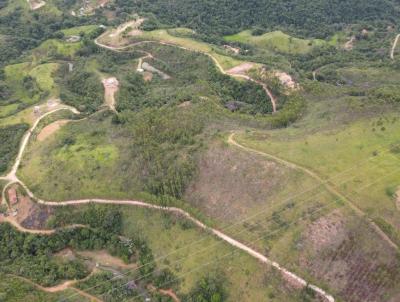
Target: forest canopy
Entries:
(221, 17)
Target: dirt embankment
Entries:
(50, 129)
(111, 86)
(36, 4)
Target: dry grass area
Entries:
(342, 251)
(231, 182)
(241, 69)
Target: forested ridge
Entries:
(302, 16)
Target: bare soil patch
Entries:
(105, 259)
(231, 182)
(147, 76)
(149, 68)
(111, 86)
(36, 4)
(29, 214)
(398, 199)
(350, 44)
(50, 129)
(241, 69)
(286, 80)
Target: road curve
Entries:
(216, 62)
(396, 40)
(61, 287)
(13, 178)
(328, 186)
(198, 223)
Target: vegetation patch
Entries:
(276, 41)
(10, 137)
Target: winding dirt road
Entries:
(12, 178)
(396, 40)
(219, 66)
(61, 287)
(328, 186)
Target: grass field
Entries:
(276, 41)
(331, 152)
(76, 31)
(52, 47)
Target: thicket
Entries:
(318, 18)
(30, 255)
(81, 89)
(10, 138)
(23, 30)
(163, 143)
(209, 288)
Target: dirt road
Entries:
(394, 46)
(14, 179)
(61, 287)
(219, 66)
(328, 186)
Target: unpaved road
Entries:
(219, 66)
(394, 46)
(328, 186)
(12, 178)
(59, 288)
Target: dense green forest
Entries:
(318, 17)
(10, 137)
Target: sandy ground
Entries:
(349, 44)
(286, 80)
(146, 66)
(147, 76)
(36, 4)
(111, 86)
(120, 29)
(241, 69)
(51, 129)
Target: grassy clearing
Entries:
(76, 31)
(276, 41)
(330, 152)
(53, 47)
(44, 76)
